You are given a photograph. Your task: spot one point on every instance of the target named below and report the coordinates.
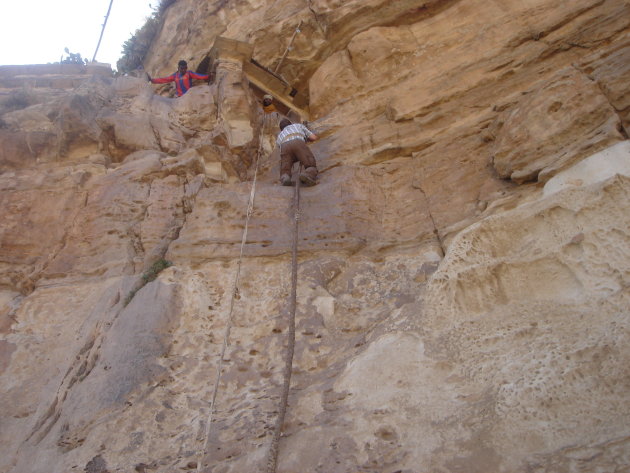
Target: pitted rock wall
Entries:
(463, 298)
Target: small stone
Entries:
(577, 239)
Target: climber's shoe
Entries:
(285, 180)
(307, 180)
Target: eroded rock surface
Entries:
(463, 299)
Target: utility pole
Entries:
(103, 29)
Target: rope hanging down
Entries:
(235, 295)
(288, 368)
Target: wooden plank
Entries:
(272, 85)
(238, 51)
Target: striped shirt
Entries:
(293, 132)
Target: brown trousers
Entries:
(296, 150)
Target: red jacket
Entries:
(183, 82)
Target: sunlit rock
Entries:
(463, 265)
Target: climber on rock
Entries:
(270, 113)
(267, 104)
(183, 78)
(292, 142)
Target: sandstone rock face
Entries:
(462, 298)
(534, 142)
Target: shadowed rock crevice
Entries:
(96, 364)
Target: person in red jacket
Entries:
(183, 78)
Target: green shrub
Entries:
(164, 4)
(135, 48)
(73, 58)
(148, 276)
(155, 269)
(130, 296)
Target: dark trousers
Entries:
(296, 150)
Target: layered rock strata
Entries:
(463, 299)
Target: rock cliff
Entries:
(462, 299)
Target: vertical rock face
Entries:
(463, 274)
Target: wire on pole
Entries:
(289, 47)
(102, 30)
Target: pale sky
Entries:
(37, 31)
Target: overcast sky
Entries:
(37, 31)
